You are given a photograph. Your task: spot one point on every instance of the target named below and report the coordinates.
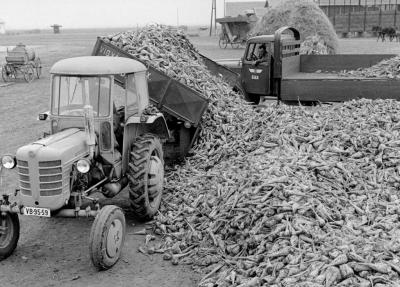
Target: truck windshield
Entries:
(71, 93)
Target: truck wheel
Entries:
(254, 98)
(9, 233)
(107, 237)
(146, 176)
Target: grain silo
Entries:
(2, 27)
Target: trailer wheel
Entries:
(107, 237)
(9, 233)
(146, 176)
(6, 73)
(235, 45)
(38, 67)
(223, 42)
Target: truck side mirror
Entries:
(43, 116)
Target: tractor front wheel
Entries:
(107, 237)
(146, 176)
(9, 233)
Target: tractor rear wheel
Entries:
(146, 176)
(9, 233)
(107, 237)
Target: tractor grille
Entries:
(23, 173)
(50, 178)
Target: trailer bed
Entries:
(302, 82)
(334, 88)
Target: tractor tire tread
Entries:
(138, 170)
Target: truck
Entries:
(292, 78)
(104, 136)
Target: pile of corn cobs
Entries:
(389, 68)
(279, 195)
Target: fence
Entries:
(361, 15)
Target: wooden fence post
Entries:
(334, 13)
(365, 15)
(349, 21)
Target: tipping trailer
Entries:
(290, 77)
(182, 106)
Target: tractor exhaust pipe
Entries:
(89, 130)
(113, 188)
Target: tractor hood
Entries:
(66, 146)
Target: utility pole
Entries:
(224, 8)
(177, 17)
(213, 15)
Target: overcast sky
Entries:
(39, 14)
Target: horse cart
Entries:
(21, 62)
(234, 30)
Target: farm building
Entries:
(2, 27)
(347, 16)
(361, 15)
(343, 6)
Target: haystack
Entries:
(305, 16)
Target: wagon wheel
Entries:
(38, 67)
(6, 73)
(223, 42)
(235, 45)
(29, 73)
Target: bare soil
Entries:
(54, 252)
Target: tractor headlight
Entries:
(83, 166)
(8, 162)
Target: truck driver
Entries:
(262, 55)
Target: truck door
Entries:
(256, 69)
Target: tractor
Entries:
(104, 136)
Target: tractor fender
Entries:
(155, 124)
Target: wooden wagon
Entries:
(21, 62)
(234, 30)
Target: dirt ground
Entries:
(54, 252)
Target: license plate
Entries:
(37, 211)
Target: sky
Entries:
(41, 14)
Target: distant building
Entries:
(337, 7)
(2, 27)
(56, 28)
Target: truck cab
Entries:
(261, 80)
